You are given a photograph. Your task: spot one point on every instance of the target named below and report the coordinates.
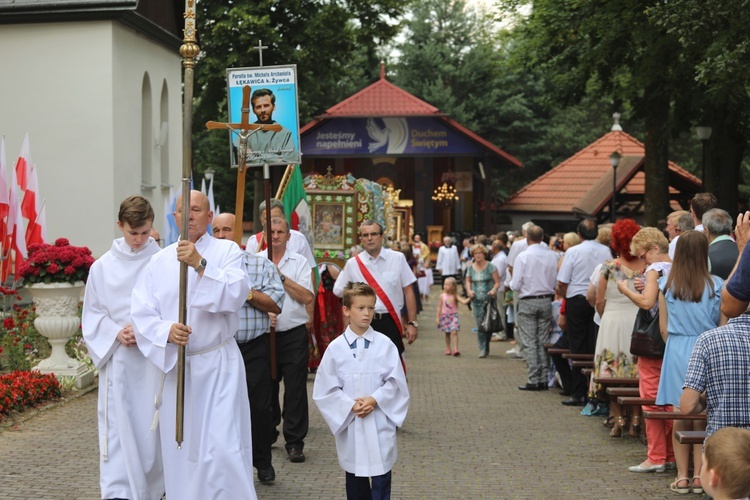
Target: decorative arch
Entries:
(162, 143)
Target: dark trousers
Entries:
(291, 367)
(388, 327)
(358, 488)
(581, 336)
(563, 365)
(257, 357)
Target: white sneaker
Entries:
(513, 350)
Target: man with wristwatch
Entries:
(391, 277)
(253, 338)
(217, 288)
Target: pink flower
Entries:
(69, 270)
(61, 242)
(53, 268)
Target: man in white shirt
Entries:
(500, 261)
(519, 245)
(534, 284)
(390, 276)
(572, 283)
(448, 262)
(291, 340)
(216, 455)
(672, 229)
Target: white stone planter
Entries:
(57, 319)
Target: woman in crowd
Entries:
(569, 240)
(482, 283)
(651, 246)
(612, 356)
(689, 305)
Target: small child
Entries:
(360, 389)
(447, 315)
(726, 464)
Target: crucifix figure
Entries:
(244, 130)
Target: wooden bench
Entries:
(554, 351)
(635, 401)
(670, 415)
(623, 391)
(578, 357)
(691, 437)
(616, 382)
(582, 364)
(586, 372)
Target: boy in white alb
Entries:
(131, 465)
(360, 389)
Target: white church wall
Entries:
(76, 89)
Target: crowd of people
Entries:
(580, 291)
(586, 288)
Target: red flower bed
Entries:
(20, 389)
(58, 263)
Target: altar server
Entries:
(130, 464)
(360, 389)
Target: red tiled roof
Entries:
(382, 98)
(583, 182)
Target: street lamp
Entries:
(614, 160)
(704, 134)
(209, 174)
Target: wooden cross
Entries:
(244, 129)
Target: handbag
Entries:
(491, 322)
(646, 341)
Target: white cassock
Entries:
(366, 446)
(130, 464)
(216, 456)
(448, 262)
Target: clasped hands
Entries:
(364, 406)
(126, 336)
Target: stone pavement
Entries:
(470, 433)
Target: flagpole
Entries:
(189, 50)
(284, 181)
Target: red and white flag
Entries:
(4, 213)
(16, 228)
(31, 210)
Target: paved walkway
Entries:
(470, 433)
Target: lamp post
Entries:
(209, 174)
(704, 134)
(614, 160)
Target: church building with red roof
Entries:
(389, 136)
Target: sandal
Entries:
(676, 486)
(457, 353)
(609, 422)
(617, 429)
(697, 488)
(635, 426)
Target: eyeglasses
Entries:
(643, 255)
(369, 235)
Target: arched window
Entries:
(147, 135)
(162, 143)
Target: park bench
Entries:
(670, 415)
(690, 437)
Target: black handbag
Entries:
(646, 340)
(491, 322)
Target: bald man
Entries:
(215, 459)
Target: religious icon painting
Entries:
(272, 112)
(334, 216)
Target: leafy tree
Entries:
(332, 42)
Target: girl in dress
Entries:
(447, 315)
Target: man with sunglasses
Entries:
(388, 272)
